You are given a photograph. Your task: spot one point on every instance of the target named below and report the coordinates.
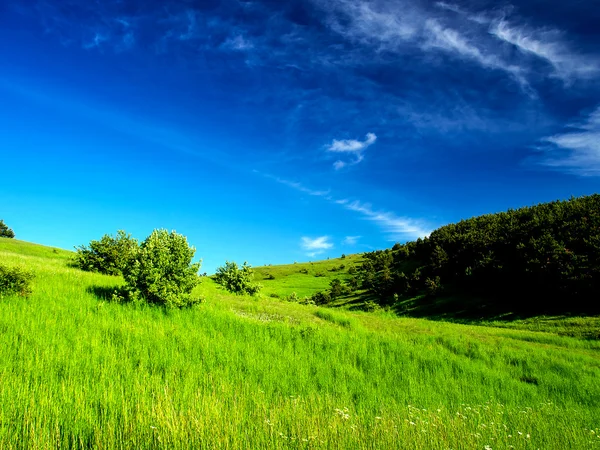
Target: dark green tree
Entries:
(5, 231)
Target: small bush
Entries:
(269, 276)
(15, 280)
(162, 271)
(319, 274)
(304, 270)
(5, 231)
(237, 279)
(293, 297)
(110, 255)
(321, 298)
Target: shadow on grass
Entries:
(107, 293)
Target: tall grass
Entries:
(235, 372)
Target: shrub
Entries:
(110, 255)
(293, 297)
(321, 298)
(269, 276)
(5, 231)
(162, 271)
(237, 279)
(15, 280)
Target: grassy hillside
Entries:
(239, 372)
(304, 278)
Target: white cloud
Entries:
(353, 147)
(381, 26)
(298, 186)
(397, 227)
(316, 246)
(339, 165)
(351, 240)
(547, 44)
(576, 151)
(238, 43)
(453, 42)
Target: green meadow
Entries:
(80, 371)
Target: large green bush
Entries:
(237, 279)
(5, 231)
(15, 280)
(109, 255)
(162, 271)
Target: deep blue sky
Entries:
(274, 131)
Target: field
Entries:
(79, 371)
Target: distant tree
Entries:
(237, 279)
(335, 288)
(320, 298)
(110, 255)
(5, 231)
(162, 271)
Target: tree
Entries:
(5, 231)
(237, 279)
(162, 271)
(110, 255)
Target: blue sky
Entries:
(273, 131)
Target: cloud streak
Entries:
(396, 227)
(546, 44)
(576, 151)
(401, 227)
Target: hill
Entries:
(79, 371)
(543, 259)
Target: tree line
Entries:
(539, 258)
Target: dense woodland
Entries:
(544, 258)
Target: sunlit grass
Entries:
(243, 372)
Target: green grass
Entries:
(242, 372)
(304, 279)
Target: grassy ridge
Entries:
(305, 279)
(239, 372)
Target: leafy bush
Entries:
(162, 271)
(237, 279)
(321, 298)
(110, 255)
(15, 280)
(293, 297)
(5, 231)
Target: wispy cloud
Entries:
(548, 44)
(238, 43)
(576, 151)
(316, 246)
(402, 227)
(353, 147)
(351, 240)
(455, 43)
(396, 227)
(295, 185)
